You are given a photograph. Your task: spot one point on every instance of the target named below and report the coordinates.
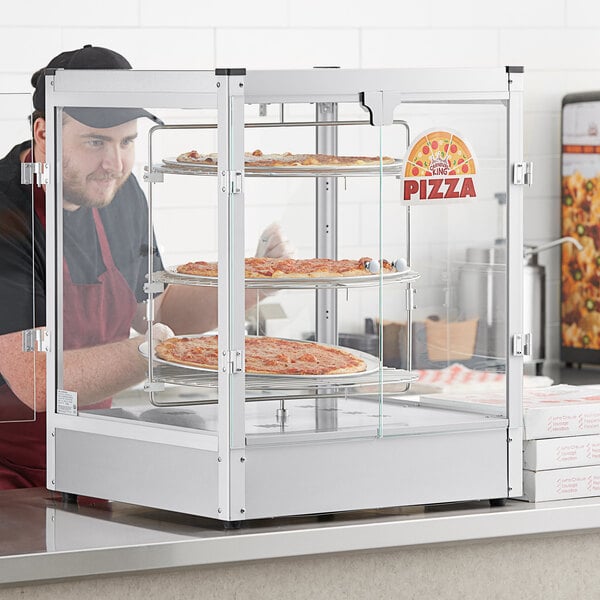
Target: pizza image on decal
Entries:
(439, 153)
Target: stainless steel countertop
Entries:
(44, 539)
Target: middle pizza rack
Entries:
(368, 381)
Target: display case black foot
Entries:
(68, 498)
(539, 369)
(498, 502)
(232, 525)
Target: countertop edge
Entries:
(516, 519)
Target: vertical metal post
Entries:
(514, 274)
(231, 297)
(54, 275)
(326, 247)
(326, 224)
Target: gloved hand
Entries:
(273, 243)
(160, 332)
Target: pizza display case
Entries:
(231, 442)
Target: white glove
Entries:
(273, 243)
(160, 332)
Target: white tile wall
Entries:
(300, 48)
(429, 47)
(233, 13)
(556, 41)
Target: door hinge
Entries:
(231, 181)
(36, 339)
(410, 298)
(522, 344)
(37, 171)
(523, 173)
(235, 361)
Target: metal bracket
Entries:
(231, 181)
(521, 345)
(235, 360)
(380, 106)
(36, 339)
(154, 177)
(156, 287)
(523, 173)
(37, 171)
(154, 386)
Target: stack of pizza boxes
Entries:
(561, 449)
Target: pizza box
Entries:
(563, 452)
(548, 412)
(561, 484)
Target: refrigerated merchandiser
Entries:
(580, 225)
(231, 440)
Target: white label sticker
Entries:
(66, 402)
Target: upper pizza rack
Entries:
(399, 273)
(257, 163)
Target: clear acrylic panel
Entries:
(183, 206)
(102, 256)
(451, 213)
(22, 245)
(309, 212)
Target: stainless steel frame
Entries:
(236, 476)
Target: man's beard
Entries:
(75, 192)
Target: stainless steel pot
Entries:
(481, 285)
(482, 295)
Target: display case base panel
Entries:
(426, 456)
(375, 473)
(141, 472)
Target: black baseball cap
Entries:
(89, 57)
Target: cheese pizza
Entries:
(275, 268)
(264, 355)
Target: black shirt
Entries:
(23, 255)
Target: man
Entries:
(105, 263)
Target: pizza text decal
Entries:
(439, 165)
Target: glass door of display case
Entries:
(22, 362)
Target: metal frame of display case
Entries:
(228, 474)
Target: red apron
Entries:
(94, 314)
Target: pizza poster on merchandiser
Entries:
(580, 221)
(439, 166)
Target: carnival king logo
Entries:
(439, 166)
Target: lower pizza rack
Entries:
(298, 387)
